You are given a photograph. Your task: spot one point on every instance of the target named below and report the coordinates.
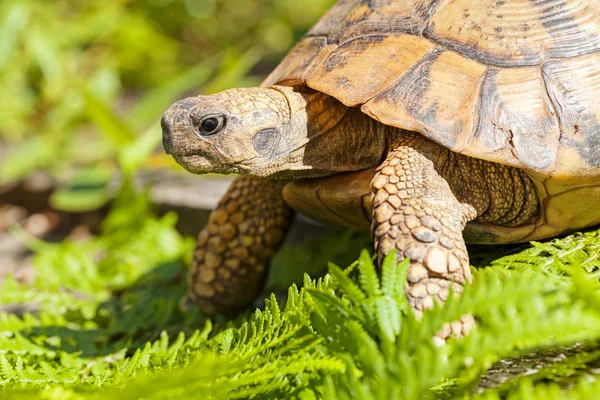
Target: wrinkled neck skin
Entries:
(276, 132)
(331, 138)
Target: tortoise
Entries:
(433, 122)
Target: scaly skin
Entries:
(502, 195)
(422, 195)
(416, 212)
(233, 251)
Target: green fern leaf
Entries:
(369, 281)
(390, 272)
(330, 304)
(344, 283)
(388, 317)
(273, 307)
(6, 370)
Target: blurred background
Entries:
(83, 85)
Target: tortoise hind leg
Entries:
(233, 251)
(416, 212)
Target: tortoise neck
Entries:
(351, 141)
(337, 138)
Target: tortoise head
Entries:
(252, 131)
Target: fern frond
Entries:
(369, 281)
(389, 315)
(346, 285)
(391, 275)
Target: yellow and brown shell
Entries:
(515, 82)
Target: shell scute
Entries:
(361, 68)
(349, 19)
(574, 88)
(515, 82)
(528, 140)
(517, 32)
(293, 67)
(437, 97)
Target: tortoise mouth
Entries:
(196, 162)
(188, 156)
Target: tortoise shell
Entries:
(515, 82)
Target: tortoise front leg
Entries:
(416, 212)
(233, 251)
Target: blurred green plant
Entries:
(83, 84)
(108, 325)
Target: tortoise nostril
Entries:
(166, 134)
(164, 125)
(177, 124)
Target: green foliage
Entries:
(83, 84)
(559, 255)
(107, 323)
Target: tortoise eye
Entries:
(210, 125)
